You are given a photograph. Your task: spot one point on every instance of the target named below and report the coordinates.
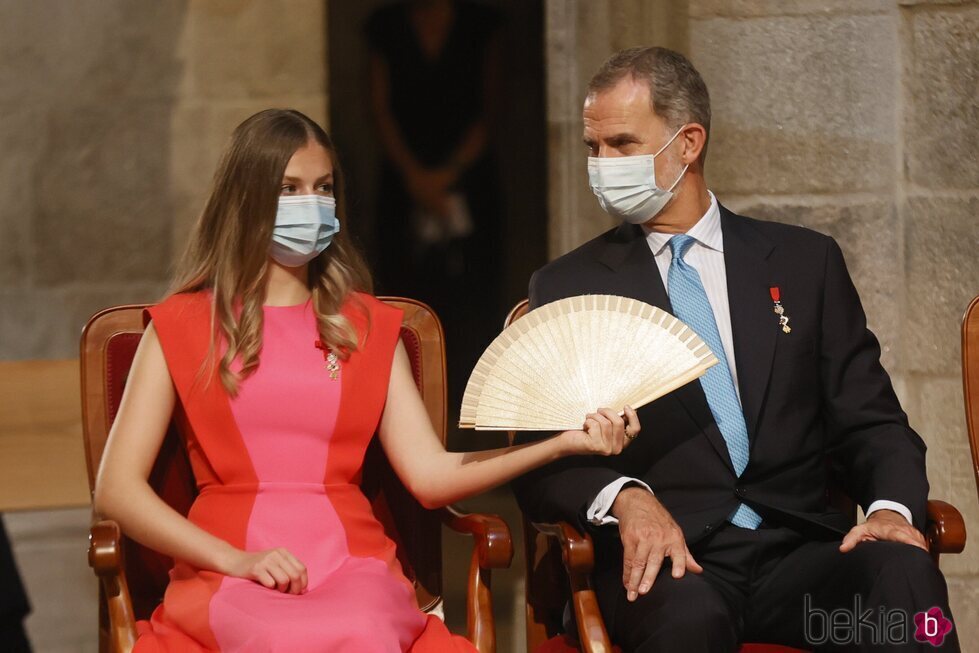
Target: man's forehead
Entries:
(627, 94)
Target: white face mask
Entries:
(626, 185)
(304, 227)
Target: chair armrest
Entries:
(105, 558)
(493, 542)
(492, 548)
(577, 550)
(578, 553)
(945, 529)
(105, 548)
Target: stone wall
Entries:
(112, 118)
(857, 119)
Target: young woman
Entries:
(281, 367)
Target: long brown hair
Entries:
(229, 248)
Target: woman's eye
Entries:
(287, 188)
(326, 188)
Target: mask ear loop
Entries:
(679, 177)
(667, 144)
(682, 172)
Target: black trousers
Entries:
(772, 585)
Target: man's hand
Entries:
(649, 535)
(884, 526)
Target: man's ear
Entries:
(694, 142)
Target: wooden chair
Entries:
(970, 379)
(560, 559)
(133, 578)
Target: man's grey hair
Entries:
(677, 90)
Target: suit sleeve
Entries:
(872, 447)
(564, 489)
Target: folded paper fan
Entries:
(559, 362)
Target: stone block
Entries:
(47, 323)
(242, 49)
(768, 8)
(942, 69)
(103, 211)
(913, 3)
(797, 102)
(868, 232)
(21, 140)
(942, 241)
(114, 49)
(30, 326)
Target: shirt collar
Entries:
(707, 231)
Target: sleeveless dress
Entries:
(279, 465)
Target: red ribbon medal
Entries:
(783, 319)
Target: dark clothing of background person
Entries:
(13, 600)
(439, 105)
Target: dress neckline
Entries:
(287, 306)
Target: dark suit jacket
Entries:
(815, 399)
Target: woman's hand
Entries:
(274, 568)
(605, 433)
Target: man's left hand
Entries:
(884, 526)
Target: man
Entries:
(713, 527)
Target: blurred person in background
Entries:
(435, 81)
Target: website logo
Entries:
(858, 625)
(931, 626)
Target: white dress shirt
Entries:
(706, 255)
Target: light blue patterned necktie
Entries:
(690, 304)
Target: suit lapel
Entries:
(637, 276)
(753, 323)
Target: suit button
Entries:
(708, 528)
(740, 491)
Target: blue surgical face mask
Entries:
(626, 186)
(304, 227)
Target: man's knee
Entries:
(685, 614)
(893, 570)
(895, 559)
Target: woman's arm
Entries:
(437, 477)
(122, 492)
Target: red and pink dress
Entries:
(279, 466)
